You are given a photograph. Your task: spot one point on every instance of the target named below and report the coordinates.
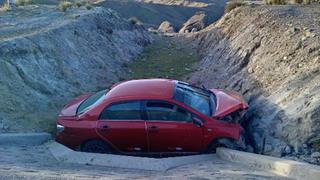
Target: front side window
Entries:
(122, 111)
(163, 111)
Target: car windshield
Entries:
(199, 99)
(91, 101)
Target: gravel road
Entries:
(25, 162)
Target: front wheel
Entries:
(95, 146)
(227, 143)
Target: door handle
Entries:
(153, 127)
(103, 128)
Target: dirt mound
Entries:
(271, 54)
(47, 57)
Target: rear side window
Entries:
(164, 111)
(122, 111)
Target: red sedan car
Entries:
(153, 116)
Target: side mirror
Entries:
(198, 122)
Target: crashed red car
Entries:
(153, 116)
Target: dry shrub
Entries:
(306, 1)
(78, 4)
(64, 5)
(232, 5)
(5, 7)
(135, 21)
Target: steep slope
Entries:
(271, 54)
(47, 57)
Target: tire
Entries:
(227, 143)
(95, 146)
(223, 142)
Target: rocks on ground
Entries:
(166, 27)
(195, 23)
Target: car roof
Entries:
(143, 88)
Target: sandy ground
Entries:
(23, 162)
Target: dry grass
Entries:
(232, 5)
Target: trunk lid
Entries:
(70, 110)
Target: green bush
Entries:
(64, 5)
(232, 5)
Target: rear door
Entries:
(122, 126)
(171, 129)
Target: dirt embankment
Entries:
(47, 57)
(271, 54)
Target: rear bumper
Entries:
(68, 140)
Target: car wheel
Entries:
(227, 143)
(95, 146)
(223, 142)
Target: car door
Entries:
(171, 129)
(122, 126)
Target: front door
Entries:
(171, 129)
(122, 126)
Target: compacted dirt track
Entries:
(26, 162)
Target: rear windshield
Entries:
(91, 101)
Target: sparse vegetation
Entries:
(232, 5)
(64, 5)
(23, 2)
(164, 59)
(135, 21)
(5, 7)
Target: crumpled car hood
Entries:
(228, 102)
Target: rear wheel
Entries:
(95, 146)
